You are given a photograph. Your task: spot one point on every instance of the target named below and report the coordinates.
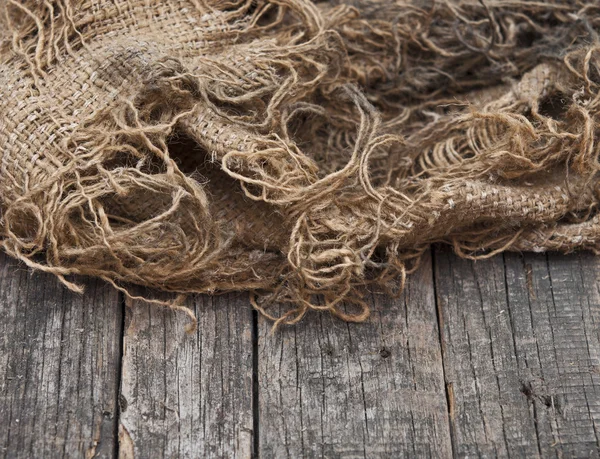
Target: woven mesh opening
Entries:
(554, 105)
(252, 220)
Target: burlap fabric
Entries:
(300, 150)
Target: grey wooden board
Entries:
(332, 389)
(521, 353)
(514, 370)
(59, 366)
(188, 395)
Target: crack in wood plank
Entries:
(523, 324)
(333, 389)
(59, 360)
(495, 358)
(188, 395)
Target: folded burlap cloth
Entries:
(299, 150)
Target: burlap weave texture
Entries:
(300, 150)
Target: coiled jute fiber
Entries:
(299, 150)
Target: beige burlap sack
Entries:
(300, 150)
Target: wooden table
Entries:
(494, 358)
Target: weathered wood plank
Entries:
(188, 395)
(332, 389)
(59, 366)
(522, 353)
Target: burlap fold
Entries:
(300, 150)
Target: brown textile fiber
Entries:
(300, 150)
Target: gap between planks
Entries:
(494, 358)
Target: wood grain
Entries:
(188, 395)
(59, 366)
(507, 366)
(521, 353)
(332, 389)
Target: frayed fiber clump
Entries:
(296, 149)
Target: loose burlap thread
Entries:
(299, 150)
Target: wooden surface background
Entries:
(494, 358)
